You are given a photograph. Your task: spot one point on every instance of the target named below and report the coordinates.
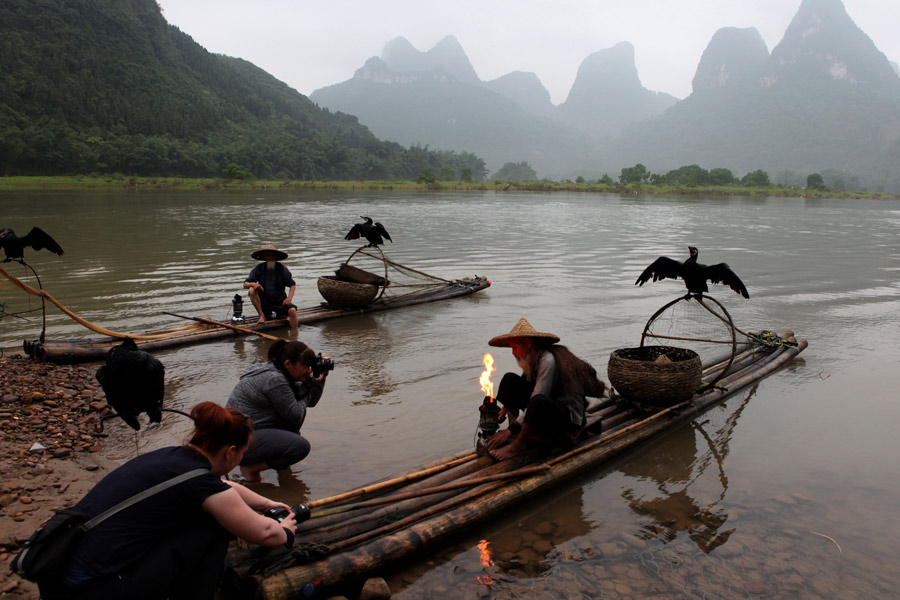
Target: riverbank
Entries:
(51, 453)
(214, 184)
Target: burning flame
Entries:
(487, 386)
(484, 550)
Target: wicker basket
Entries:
(345, 294)
(639, 374)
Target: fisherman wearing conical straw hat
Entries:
(266, 283)
(546, 404)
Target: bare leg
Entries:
(257, 304)
(292, 318)
(251, 472)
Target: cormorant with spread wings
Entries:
(14, 246)
(370, 230)
(694, 274)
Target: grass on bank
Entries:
(65, 182)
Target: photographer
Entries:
(275, 395)
(171, 544)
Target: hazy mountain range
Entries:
(824, 99)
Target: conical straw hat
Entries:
(269, 247)
(522, 329)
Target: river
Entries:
(784, 491)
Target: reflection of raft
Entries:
(362, 532)
(72, 351)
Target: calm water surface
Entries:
(787, 490)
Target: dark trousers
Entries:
(544, 414)
(277, 448)
(185, 566)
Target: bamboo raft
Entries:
(204, 330)
(360, 532)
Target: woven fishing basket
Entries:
(346, 294)
(641, 375)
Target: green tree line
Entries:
(107, 86)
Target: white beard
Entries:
(270, 265)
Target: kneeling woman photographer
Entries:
(276, 394)
(171, 544)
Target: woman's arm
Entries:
(290, 407)
(236, 516)
(254, 500)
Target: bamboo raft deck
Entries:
(352, 535)
(94, 349)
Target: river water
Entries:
(784, 491)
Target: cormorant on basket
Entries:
(694, 274)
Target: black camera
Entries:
(279, 513)
(321, 365)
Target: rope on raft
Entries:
(96, 328)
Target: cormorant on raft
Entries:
(134, 382)
(14, 246)
(694, 274)
(369, 230)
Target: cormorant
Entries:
(14, 246)
(134, 382)
(694, 274)
(369, 230)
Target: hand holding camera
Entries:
(296, 515)
(321, 365)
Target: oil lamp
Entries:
(237, 309)
(488, 412)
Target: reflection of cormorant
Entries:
(674, 461)
(14, 246)
(373, 232)
(694, 274)
(134, 382)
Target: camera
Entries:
(321, 365)
(279, 513)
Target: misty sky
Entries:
(310, 44)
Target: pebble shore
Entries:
(51, 451)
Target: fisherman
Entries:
(266, 283)
(546, 404)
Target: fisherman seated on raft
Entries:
(275, 395)
(266, 283)
(546, 404)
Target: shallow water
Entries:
(786, 490)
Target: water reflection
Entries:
(675, 466)
(363, 346)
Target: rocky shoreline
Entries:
(51, 451)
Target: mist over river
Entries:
(787, 490)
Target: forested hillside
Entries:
(109, 86)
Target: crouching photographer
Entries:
(163, 520)
(276, 395)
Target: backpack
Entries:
(48, 551)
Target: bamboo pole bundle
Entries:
(374, 549)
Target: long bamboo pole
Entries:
(226, 326)
(523, 472)
(377, 487)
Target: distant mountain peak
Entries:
(823, 42)
(401, 57)
(733, 57)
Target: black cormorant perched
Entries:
(134, 382)
(14, 246)
(694, 274)
(369, 230)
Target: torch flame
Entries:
(487, 386)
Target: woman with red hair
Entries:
(172, 544)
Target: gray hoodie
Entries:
(265, 394)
